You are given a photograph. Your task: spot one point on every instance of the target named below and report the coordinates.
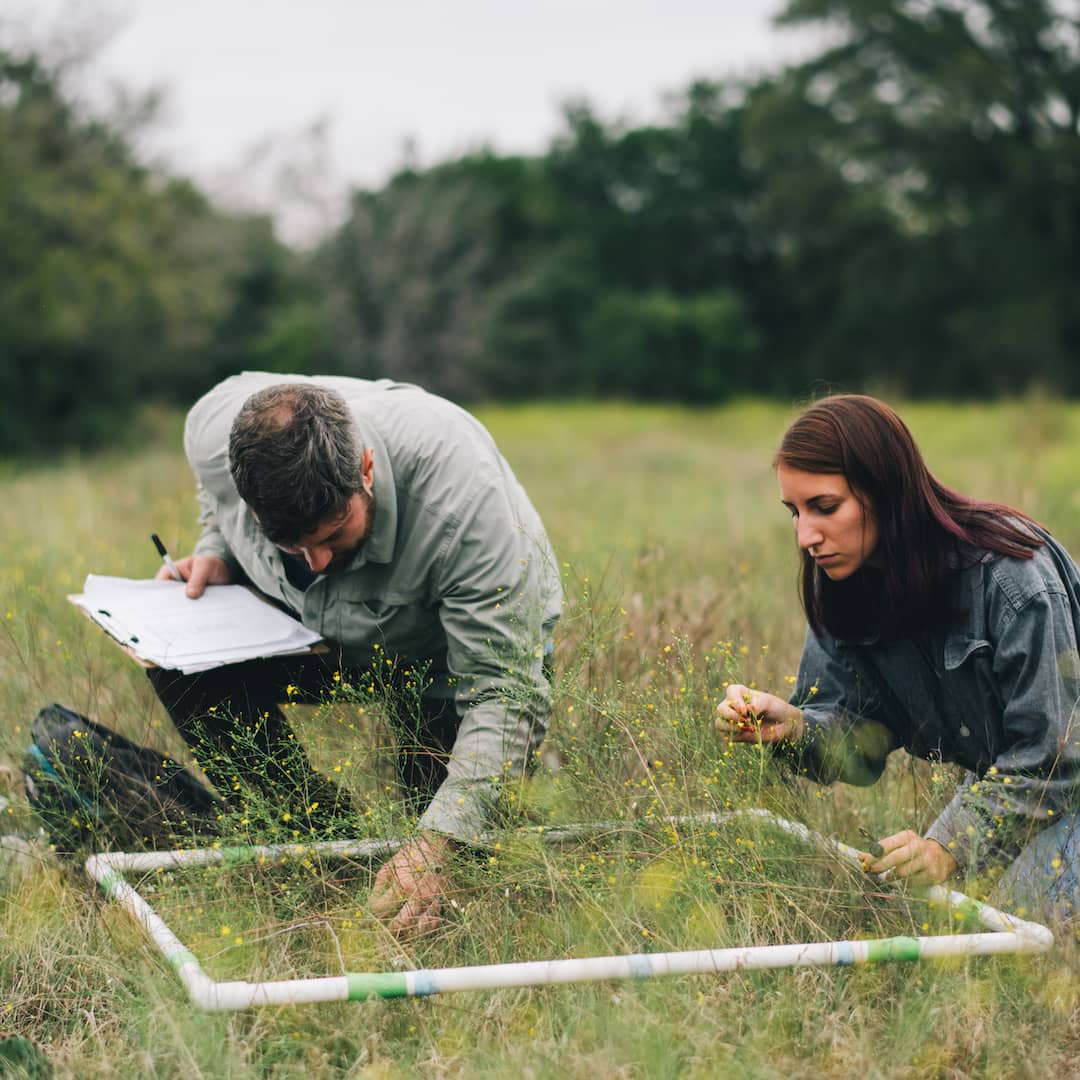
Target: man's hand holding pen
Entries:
(198, 571)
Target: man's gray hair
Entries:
(295, 458)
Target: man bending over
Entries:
(387, 521)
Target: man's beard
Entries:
(339, 562)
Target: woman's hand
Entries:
(908, 855)
(755, 716)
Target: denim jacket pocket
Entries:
(960, 648)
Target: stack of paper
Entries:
(158, 622)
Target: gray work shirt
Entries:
(995, 690)
(457, 573)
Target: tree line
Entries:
(900, 211)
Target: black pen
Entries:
(165, 556)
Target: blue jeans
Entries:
(1044, 880)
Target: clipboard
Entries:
(123, 637)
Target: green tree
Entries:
(923, 192)
(662, 217)
(613, 265)
(659, 346)
(118, 285)
(415, 276)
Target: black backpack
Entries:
(94, 790)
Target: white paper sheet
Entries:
(161, 624)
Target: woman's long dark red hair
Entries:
(920, 521)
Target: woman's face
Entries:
(831, 525)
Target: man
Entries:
(386, 519)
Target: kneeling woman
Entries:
(940, 624)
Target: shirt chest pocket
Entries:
(969, 670)
(400, 625)
(971, 700)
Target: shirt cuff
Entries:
(218, 549)
(462, 810)
(800, 755)
(966, 835)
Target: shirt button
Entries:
(965, 730)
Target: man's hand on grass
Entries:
(410, 889)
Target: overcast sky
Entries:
(247, 81)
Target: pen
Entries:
(165, 556)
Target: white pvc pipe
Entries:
(1007, 933)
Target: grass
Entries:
(679, 571)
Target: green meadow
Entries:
(679, 570)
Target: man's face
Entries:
(332, 544)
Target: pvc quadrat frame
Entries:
(1002, 934)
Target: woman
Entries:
(940, 624)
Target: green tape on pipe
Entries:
(231, 855)
(109, 881)
(966, 913)
(390, 985)
(180, 957)
(896, 948)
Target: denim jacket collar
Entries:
(965, 583)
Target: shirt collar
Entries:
(379, 546)
(964, 563)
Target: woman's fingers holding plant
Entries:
(749, 715)
(736, 708)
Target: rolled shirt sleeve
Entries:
(211, 540)
(496, 583)
(205, 444)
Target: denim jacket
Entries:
(995, 691)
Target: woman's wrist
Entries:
(794, 723)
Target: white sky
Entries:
(248, 81)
